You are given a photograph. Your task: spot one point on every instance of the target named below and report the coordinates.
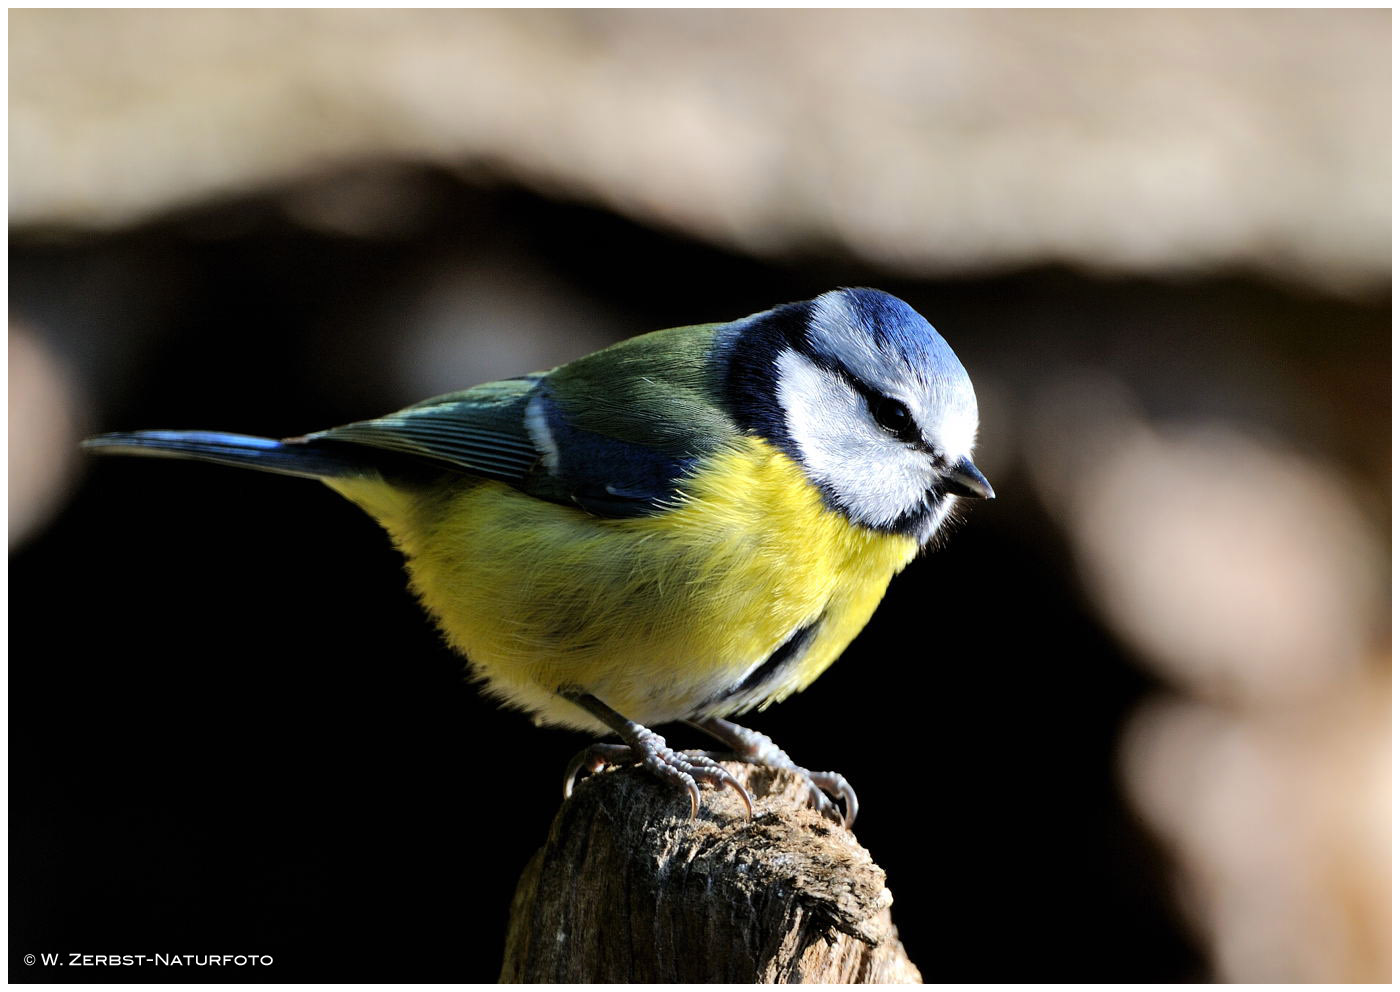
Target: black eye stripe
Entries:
(891, 414)
(882, 408)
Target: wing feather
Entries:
(479, 430)
(615, 432)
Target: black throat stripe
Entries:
(791, 649)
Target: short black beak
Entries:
(963, 479)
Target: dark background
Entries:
(248, 737)
(232, 730)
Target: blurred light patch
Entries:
(1282, 824)
(1239, 570)
(926, 141)
(373, 202)
(46, 417)
(475, 322)
(1247, 577)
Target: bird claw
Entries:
(593, 758)
(823, 786)
(683, 769)
(759, 749)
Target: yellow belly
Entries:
(656, 616)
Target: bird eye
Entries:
(894, 417)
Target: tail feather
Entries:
(308, 460)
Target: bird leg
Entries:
(758, 749)
(683, 769)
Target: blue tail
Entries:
(308, 459)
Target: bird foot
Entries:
(683, 769)
(759, 749)
(822, 787)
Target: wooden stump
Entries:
(628, 889)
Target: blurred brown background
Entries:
(1148, 687)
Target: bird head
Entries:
(868, 398)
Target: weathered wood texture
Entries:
(627, 889)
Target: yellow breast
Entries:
(657, 616)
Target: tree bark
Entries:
(628, 889)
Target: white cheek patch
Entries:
(875, 478)
(957, 432)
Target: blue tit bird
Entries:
(685, 526)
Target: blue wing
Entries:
(518, 431)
